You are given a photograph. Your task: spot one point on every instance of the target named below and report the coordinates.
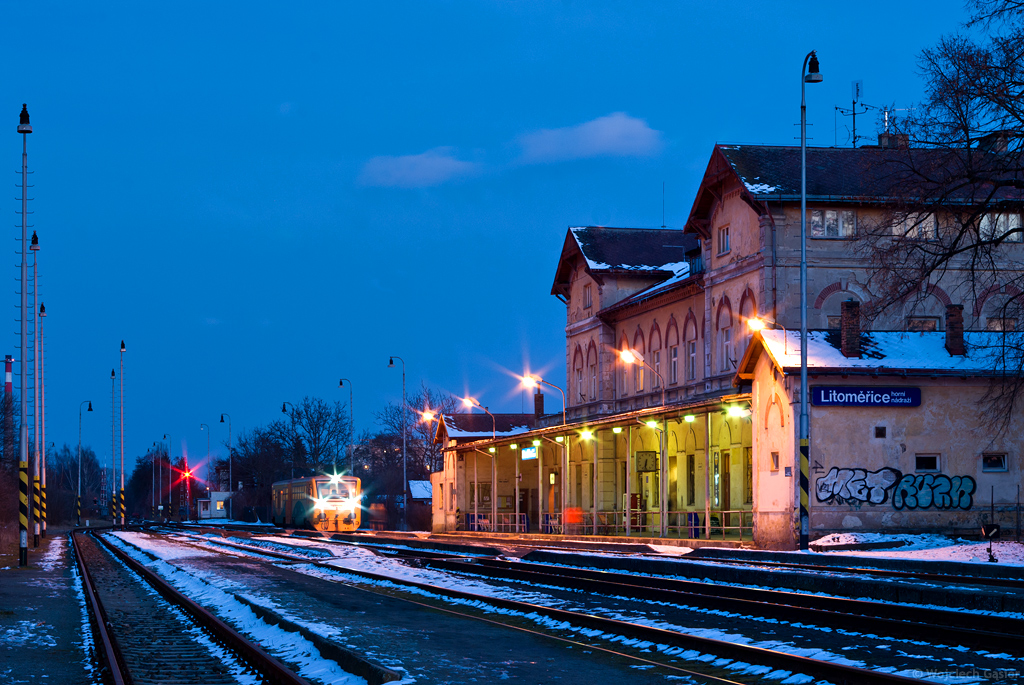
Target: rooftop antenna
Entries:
(663, 204)
(857, 95)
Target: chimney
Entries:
(955, 329)
(538, 404)
(894, 141)
(849, 329)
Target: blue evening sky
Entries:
(261, 198)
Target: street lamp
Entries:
(78, 498)
(113, 447)
(121, 395)
(759, 324)
(532, 381)
(170, 477)
(231, 482)
(471, 402)
(351, 427)
(405, 482)
(812, 75)
(631, 356)
(203, 426)
(284, 410)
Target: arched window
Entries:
(592, 372)
(638, 367)
(655, 342)
(725, 335)
(577, 366)
(672, 347)
(690, 346)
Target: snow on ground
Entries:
(286, 645)
(671, 550)
(927, 547)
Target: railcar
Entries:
(326, 503)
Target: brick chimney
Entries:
(955, 329)
(849, 329)
(538, 404)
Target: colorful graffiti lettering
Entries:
(934, 490)
(856, 485)
(911, 491)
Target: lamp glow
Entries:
(689, 418)
(536, 443)
(427, 416)
(617, 430)
(628, 356)
(755, 324)
(651, 424)
(491, 450)
(587, 435)
(531, 381)
(559, 438)
(513, 446)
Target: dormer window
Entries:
(588, 300)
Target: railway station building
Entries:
(679, 415)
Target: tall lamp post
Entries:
(37, 510)
(231, 482)
(811, 75)
(352, 428)
(113, 447)
(532, 381)
(203, 426)
(78, 498)
(284, 410)
(121, 395)
(24, 128)
(170, 477)
(470, 402)
(405, 482)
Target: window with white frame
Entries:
(926, 463)
(638, 377)
(723, 240)
(725, 348)
(833, 223)
(691, 360)
(673, 371)
(1004, 226)
(917, 226)
(657, 369)
(993, 462)
(579, 384)
(588, 300)
(593, 381)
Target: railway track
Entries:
(667, 641)
(148, 633)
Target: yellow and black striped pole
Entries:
(122, 507)
(804, 487)
(78, 509)
(113, 506)
(42, 500)
(35, 511)
(22, 513)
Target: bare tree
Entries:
(954, 180)
(318, 432)
(424, 456)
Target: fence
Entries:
(504, 523)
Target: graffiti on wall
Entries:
(842, 486)
(911, 491)
(933, 490)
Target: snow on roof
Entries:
(481, 426)
(420, 489)
(632, 249)
(886, 350)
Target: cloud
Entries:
(430, 168)
(614, 135)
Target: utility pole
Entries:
(113, 447)
(121, 394)
(24, 128)
(42, 405)
(36, 506)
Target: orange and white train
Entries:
(326, 503)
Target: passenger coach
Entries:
(327, 503)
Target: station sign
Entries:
(861, 396)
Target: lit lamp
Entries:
(756, 324)
(630, 356)
(812, 76)
(532, 381)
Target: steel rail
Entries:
(840, 674)
(272, 669)
(859, 615)
(867, 570)
(111, 654)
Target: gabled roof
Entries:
(655, 252)
(464, 427)
(882, 352)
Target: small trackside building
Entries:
(900, 437)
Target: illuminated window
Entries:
(1000, 226)
(922, 324)
(220, 505)
(831, 223)
(1000, 324)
